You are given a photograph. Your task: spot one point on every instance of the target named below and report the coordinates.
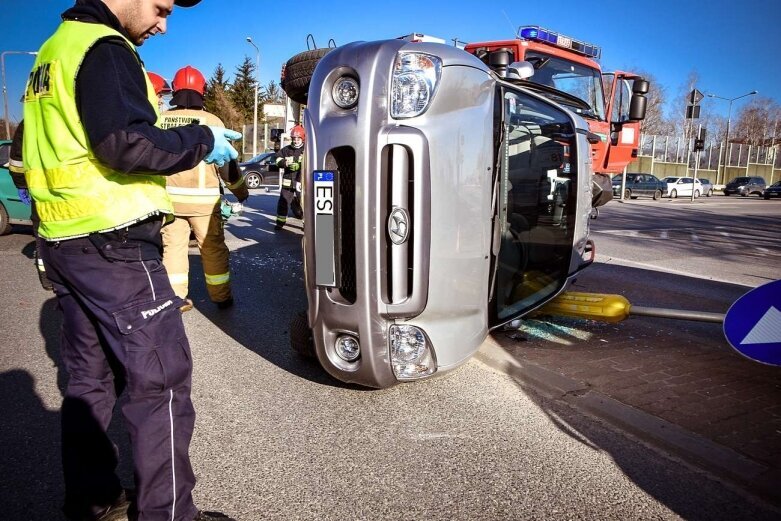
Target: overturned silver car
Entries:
(443, 198)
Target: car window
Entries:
(5, 150)
(538, 189)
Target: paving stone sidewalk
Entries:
(681, 372)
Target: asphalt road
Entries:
(278, 439)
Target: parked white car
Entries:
(682, 186)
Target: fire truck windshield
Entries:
(570, 77)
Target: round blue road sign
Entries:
(753, 324)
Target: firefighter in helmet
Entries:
(290, 159)
(161, 88)
(196, 195)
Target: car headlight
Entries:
(412, 356)
(345, 92)
(415, 79)
(242, 168)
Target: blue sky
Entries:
(732, 45)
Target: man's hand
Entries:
(295, 167)
(222, 151)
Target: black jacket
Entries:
(119, 120)
(298, 155)
(115, 111)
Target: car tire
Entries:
(301, 339)
(5, 225)
(627, 194)
(766, 197)
(696, 194)
(298, 73)
(674, 194)
(657, 195)
(710, 193)
(253, 180)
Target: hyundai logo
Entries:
(398, 226)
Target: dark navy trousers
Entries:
(122, 330)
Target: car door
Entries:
(538, 206)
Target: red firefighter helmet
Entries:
(189, 78)
(297, 132)
(158, 82)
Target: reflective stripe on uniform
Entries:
(178, 278)
(194, 199)
(216, 280)
(183, 190)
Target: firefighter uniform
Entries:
(100, 217)
(196, 197)
(290, 159)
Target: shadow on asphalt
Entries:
(558, 345)
(267, 283)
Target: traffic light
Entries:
(699, 141)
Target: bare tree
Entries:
(756, 121)
(655, 122)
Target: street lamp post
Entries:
(5, 91)
(257, 82)
(729, 117)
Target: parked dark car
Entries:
(773, 190)
(639, 184)
(12, 209)
(707, 187)
(745, 186)
(260, 171)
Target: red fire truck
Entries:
(612, 103)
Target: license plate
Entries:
(325, 272)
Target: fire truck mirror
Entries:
(640, 86)
(520, 71)
(637, 107)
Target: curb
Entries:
(724, 463)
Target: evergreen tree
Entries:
(272, 93)
(242, 93)
(217, 83)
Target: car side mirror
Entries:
(520, 71)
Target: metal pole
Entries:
(257, 83)
(729, 117)
(5, 91)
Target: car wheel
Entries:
(743, 194)
(298, 73)
(627, 194)
(766, 197)
(5, 226)
(657, 195)
(710, 193)
(696, 194)
(674, 194)
(301, 339)
(253, 180)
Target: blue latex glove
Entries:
(222, 151)
(24, 195)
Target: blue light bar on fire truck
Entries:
(538, 34)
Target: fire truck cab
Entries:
(568, 73)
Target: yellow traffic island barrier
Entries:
(615, 308)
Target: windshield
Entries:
(572, 78)
(670, 179)
(740, 180)
(537, 204)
